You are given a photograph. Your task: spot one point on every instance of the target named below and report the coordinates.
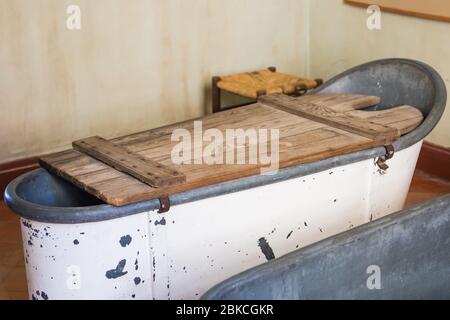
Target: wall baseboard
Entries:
(433, 159)
(9, 171)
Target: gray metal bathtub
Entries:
(405, 255)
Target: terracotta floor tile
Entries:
(6, 214)
(425, 187)
(10, 232)
(11, 254)
(14, 281)
(23, 295)
(4, 270)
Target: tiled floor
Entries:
(425, 187)
(13, 283)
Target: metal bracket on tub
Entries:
(381, 162)
(164, 204)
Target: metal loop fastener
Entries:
(164, 204)
(381, 162)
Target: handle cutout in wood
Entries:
(320, 112)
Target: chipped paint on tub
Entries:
(184, 252)
(88, 261)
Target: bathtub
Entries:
(76, 247)
(403, 256)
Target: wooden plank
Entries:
(403, 118)
(318, 111)
(431, 9)
(339, 102)
(301, 141)
(143, 169)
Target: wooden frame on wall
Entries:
(427, 9)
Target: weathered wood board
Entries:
(144, 169)
(304, 136)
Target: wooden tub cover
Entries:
(138, 167)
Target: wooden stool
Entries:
(254, 84)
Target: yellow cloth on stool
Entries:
(250, 83)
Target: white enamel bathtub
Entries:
(184, 252)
